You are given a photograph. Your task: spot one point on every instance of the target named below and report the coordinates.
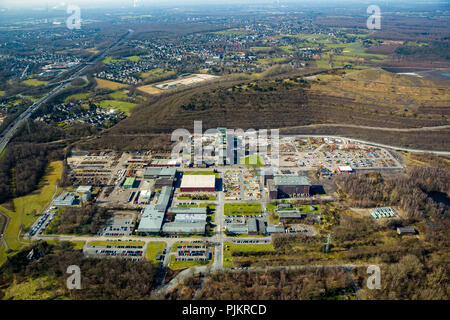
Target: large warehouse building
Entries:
(289, 187)
(198, 183)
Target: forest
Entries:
(85, 220)
(102, 279)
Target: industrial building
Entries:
(184, 228)
(252, 225)
(289, 187)
(291, 214)
(153, 215)
(274, 228)
(151, 220)
(189, 214)
(85, 190)
(198, 183)
(67, 199)
(237, 228)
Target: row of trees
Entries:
(85, 220)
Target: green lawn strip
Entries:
(154, 248)
(242, 209)
(75, 244)
(201, 173)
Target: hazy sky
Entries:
(129, 3)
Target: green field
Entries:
(110, 60)
(119, 95)
(176, 265)
(229, 248)
(252, 160)
(27, 208)
(77, 97)
(133, 58)
(154, 248)
(2, 93)
(242, 209)
(117, 105)
(34, 82)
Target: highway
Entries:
(13, 128)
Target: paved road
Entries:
(13, 128)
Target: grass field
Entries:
(229, 248)
(117, 105)
(119, 95)
(2, 93)
(153, 248)
(116, 243)
(242, 209)
(24, 207)
(252, 160)
(176, 265)
(41, 288)
(34, 82)
(106, 84)
(110, 60)
(133, 58)
(77, 97)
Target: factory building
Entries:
(252, 225)
(184, 228)
(289, 187)
(198, 183)
(151, 220)
(291, 214)
(165, 177)
(274, 228)
(67, 199)
(237, 228)
(153, 216)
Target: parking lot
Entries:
(121, 224)
(127, 249)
